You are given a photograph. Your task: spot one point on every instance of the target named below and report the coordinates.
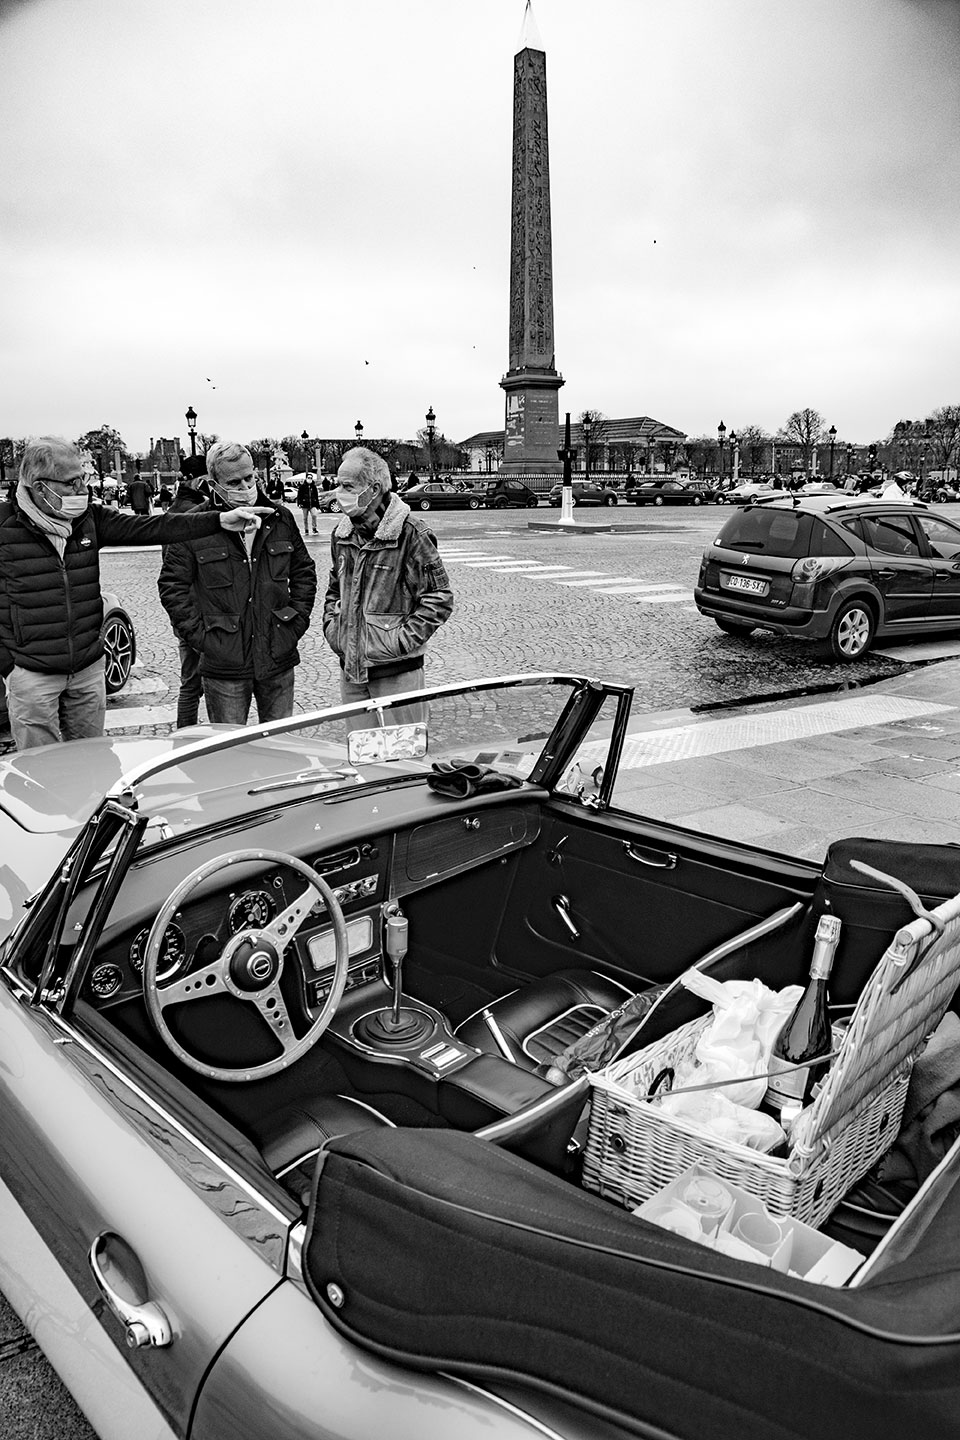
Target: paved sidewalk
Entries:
(881, 760)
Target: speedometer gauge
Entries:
(250, 911)
(173, 951)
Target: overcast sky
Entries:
(296, 214)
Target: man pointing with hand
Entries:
(51, 608)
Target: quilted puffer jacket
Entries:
(244, 613)
(386, 595)
(51, 610)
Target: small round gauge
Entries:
(250, 911)
(173, 951)
(106, 980)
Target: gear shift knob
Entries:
(396, 938)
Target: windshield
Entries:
(234, 773)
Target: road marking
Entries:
(674, 599)
(595, 581)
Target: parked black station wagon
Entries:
(834, 568)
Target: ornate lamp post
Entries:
(921, 461)
(489, 458)
(431, 420)
(586, 426)
(721, 433)
(305, 440)
(192, 427)
(358, 431)
(735, 444)
(832, 432)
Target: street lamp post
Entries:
(721, 433)
(431, 420)
(832, 432)
(565, 454)
(921, 461)
(192, 427)
(735, 443)
(358, 431)
(305, 441)
(586, 424)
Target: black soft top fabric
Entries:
(453, 1254)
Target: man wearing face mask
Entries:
(243, 601)
(51, 608)
(388, 590)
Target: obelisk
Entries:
(531, 429)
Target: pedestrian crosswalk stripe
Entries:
(673, 599)
(649, 592)
(641, 592)
(601, 580)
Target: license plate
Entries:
(747, 583)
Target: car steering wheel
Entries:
(248, 968)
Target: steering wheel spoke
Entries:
(208, 981)
(250, 967)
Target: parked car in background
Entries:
(328, 502)
(745, 490)
(279, 1160)
(504, 491)
(593, 492)
(119, 650)
(845, 569)
(443, 495)
(669, 491)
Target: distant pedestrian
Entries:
(308, 499)
(242, 601)
(140, 491)
(274, 487)
(51, 606)
(388, 591)
(164, 498)
(192, 490)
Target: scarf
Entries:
(58, 531)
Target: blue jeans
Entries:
(228, 701)
(44, 709)
(376, 689)
(191, 686)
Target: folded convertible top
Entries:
(444, 1252)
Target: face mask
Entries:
(238, 494)
(351, 503)
(70, 506)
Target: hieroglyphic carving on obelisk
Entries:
(531, 431)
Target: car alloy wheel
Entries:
(423, 504)
(658, 500)
(120, 651)
(852, 631)
(610, 500)
(697, 500)
(473, 504)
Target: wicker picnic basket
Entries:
(634, 1148)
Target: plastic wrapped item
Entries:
(748, 1015)
(724, 1118)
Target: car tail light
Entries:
(815, 567)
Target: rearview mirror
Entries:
(388, 742)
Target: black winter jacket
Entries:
(244, 613)
(51, 610)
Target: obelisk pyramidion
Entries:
(531, 430)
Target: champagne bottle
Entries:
(806, 1036)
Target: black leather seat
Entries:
(293, 1136)
(541, 1019)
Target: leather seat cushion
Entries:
(541, 1019)
(292, 1137)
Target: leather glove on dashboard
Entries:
(460, 782)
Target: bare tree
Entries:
(943, 431)
(803, 428)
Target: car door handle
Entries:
(656, 859)
(114, 1264)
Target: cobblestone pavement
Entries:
(508, 618)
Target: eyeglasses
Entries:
(67, 487)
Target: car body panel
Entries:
(672, 492)
(501, 493)
(439, 495)
(593, 492)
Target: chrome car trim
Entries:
(269, 1244)
(508, 1405)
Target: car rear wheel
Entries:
(473, 504)
(119, 651)
(852, 631)
(734, 627)
(610, 500)
(423, 504)
(658, 500)
(697, 500)
(500, 503)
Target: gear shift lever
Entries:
(397, 928)
(400, 1025)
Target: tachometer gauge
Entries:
(105, 981)
(250, 911)
(173, 951)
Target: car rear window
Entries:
(791, 534)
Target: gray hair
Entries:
(374, 470)
(226, 452)
(44, 457)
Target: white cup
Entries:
(760, 1230)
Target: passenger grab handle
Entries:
(657, 859)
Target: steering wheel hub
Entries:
(254, 963)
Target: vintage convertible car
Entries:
(285, 1154)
